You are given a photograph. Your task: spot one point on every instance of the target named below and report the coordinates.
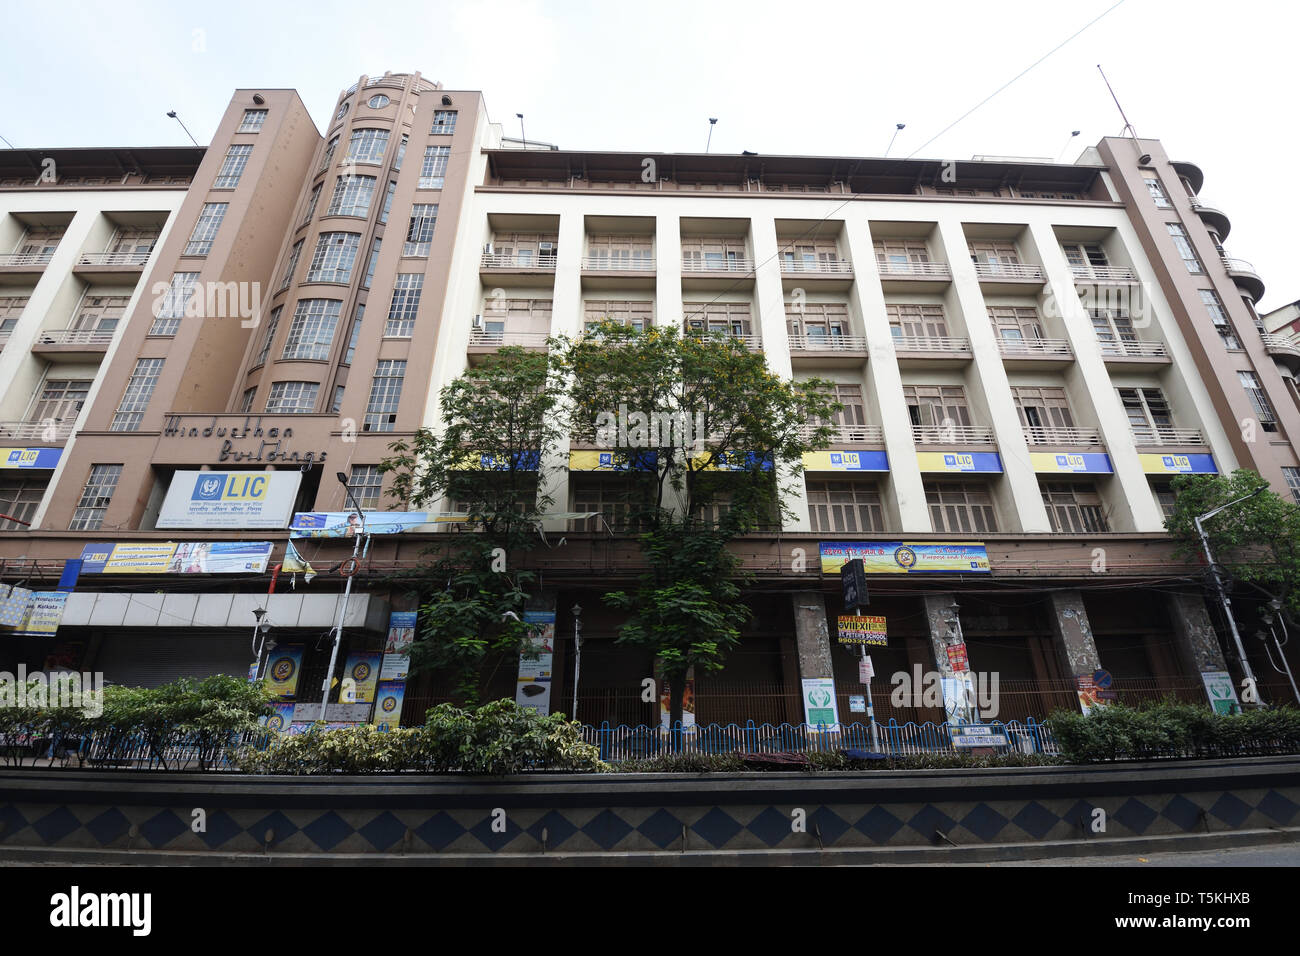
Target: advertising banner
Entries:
(14, 602)
(985, 462)
(619, 460)
(388, 704)
(44, 612)
(820, 709)
(192, 557)
(280, 718)
(957, 658)
(30, 457)
(666, 705)
(397, 648)
(737, 461)
(958, 697)
(1090, 694)
(533, 686)
(362, 668)
(902, 557)
(845, 461)
(1086, 463)
(282, 670)
(230, 499)
(1198, 464)
(346, 524)
(1223, 696)
(862, 629)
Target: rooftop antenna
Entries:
(713, 121)
(522, 138)
(898, 128)
(1073, 134)
(172, 114)
(1143, 158)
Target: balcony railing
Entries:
(516, 261)
(748, 340)
(1008, 270)
(930, 343)
(933, 270)
(26, 258)
(49, 429)
(828, 343)
(114, 259)
(1166, 435)
(717, 265)
(498, 339)
(1054, 435)
(75, 337)
(850, 434)
(1104, 273)
(837, 267)
(1034, 346)
(1238, 265)
(1134, 348)
(1273, 341)
(618, 264)
(952, 434)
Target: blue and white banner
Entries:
(1081, 463)
(30, 457)
(230, 499)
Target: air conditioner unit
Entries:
(478, 322)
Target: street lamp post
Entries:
(347, 595)
(577, 656)
(1222, 592)
(1275, 614)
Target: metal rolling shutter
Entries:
(151, 659)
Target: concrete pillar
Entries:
(945, 629)
(1073, 633)
(1197, 642)
(812, 635)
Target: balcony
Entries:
(619, 272)
(1213, 216)
(753, 342)
(1283, 349)
(850, 434)
(73, 345)
(17, 268)
(1165, 436)
(834, 275)
(1068, 437)
(1008, 276)
(49, 431)
(717, 274)
(913, 276)
(1103, 274)
(1244, 274)
(952, 435)
(932, 351)
(516, 269)
(106, 266)
(1036, 353)
(828, 351)
(1134, 353)
(717, 265)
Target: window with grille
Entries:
(1165, 497)
(845, 506)
(311, 333)
(444, 122)
(352, 196)
(367, 146)
(1184, 246)
(252, 122)
(388, 203)
(917, 321)
(232, 167)
(1148, 414)
(385, 393)
(292, 398)
(1084, 257)
(1158, 193)
(246, 403)
(93, 504)
(367, 483)
(335, 254)
(1114, 329)
(961, 506)
(20, 495)
(404, 305)
(311, 203)
(139, 389)
(1259, 400)
(434, 167)
(291, 266)
(611, 498)
(350, 354)
(1214, 306)
(269, 335)
(419, 234)
(205, 230)
(171, 309)
(1074, 508)
(1292, 476)
(637, 315)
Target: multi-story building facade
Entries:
(1027, 353)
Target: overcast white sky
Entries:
(1215, 81)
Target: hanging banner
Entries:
(14, 602)
(362, 668)
(1090, 695)
(620, 460)
(985, 462)
(191, 557)
(957, 658)
(820, 710)
(44, 612)
(1223, 696)
(1084, 463)
(279, 719)
(346, 524)
(1197, 464)
(533, 686)
(30, 457)
(282, 670)
(388, 705)
(397, 648)
(958, 698)
(902, 557)
(845, 461)
(230, 499)
(666, 705)
(861, 629)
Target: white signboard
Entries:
(230, 499)
(819, 705)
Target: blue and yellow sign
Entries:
(30, 457)
(279, 719)
(845, 461)
(362, 668)
(959, 462)
(619, 459)
(388, 705)
(1082, 463)
(737, 461)
(282, 671)
(907, 557)
(1195, 464)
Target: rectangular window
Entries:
(444, 122)
(401, 152)
(1016, 323)
(1043, 412)
(172, 308)
(1258, 399)
(337, 406)
(963, 507)
(848, 506)
(335, 254)
(311, 333)
(267, 339)
(291, 266)
(404, 305)
(232, 167)
(610, 498)
(205, 230)
(419, 234)
(311, 203)
(354, 335)
(367, 146)
(246, 404)
(367, 483)
(637, 315)
(1165, 498)
(1158, 193)
(1219, 317)
(60, 402)
(385, 393)
(434, 167)
(352, 196)
(292, 398)
(252, 122)
(370, 266)
(1292, 476)
(388, 201)
(932, 407)
(328, 156)
(93, 504)
(19, 497)
(917, 321)
(1184, 246)
(1074, 508)
(139, 389)
(1148, 414)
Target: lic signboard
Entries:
(230, 499)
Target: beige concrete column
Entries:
(812, 635)
(1072, 632)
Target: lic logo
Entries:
(209, 489)
(1070, 462)
(1177, 463)
(960, 462)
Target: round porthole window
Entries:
(377, 102)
